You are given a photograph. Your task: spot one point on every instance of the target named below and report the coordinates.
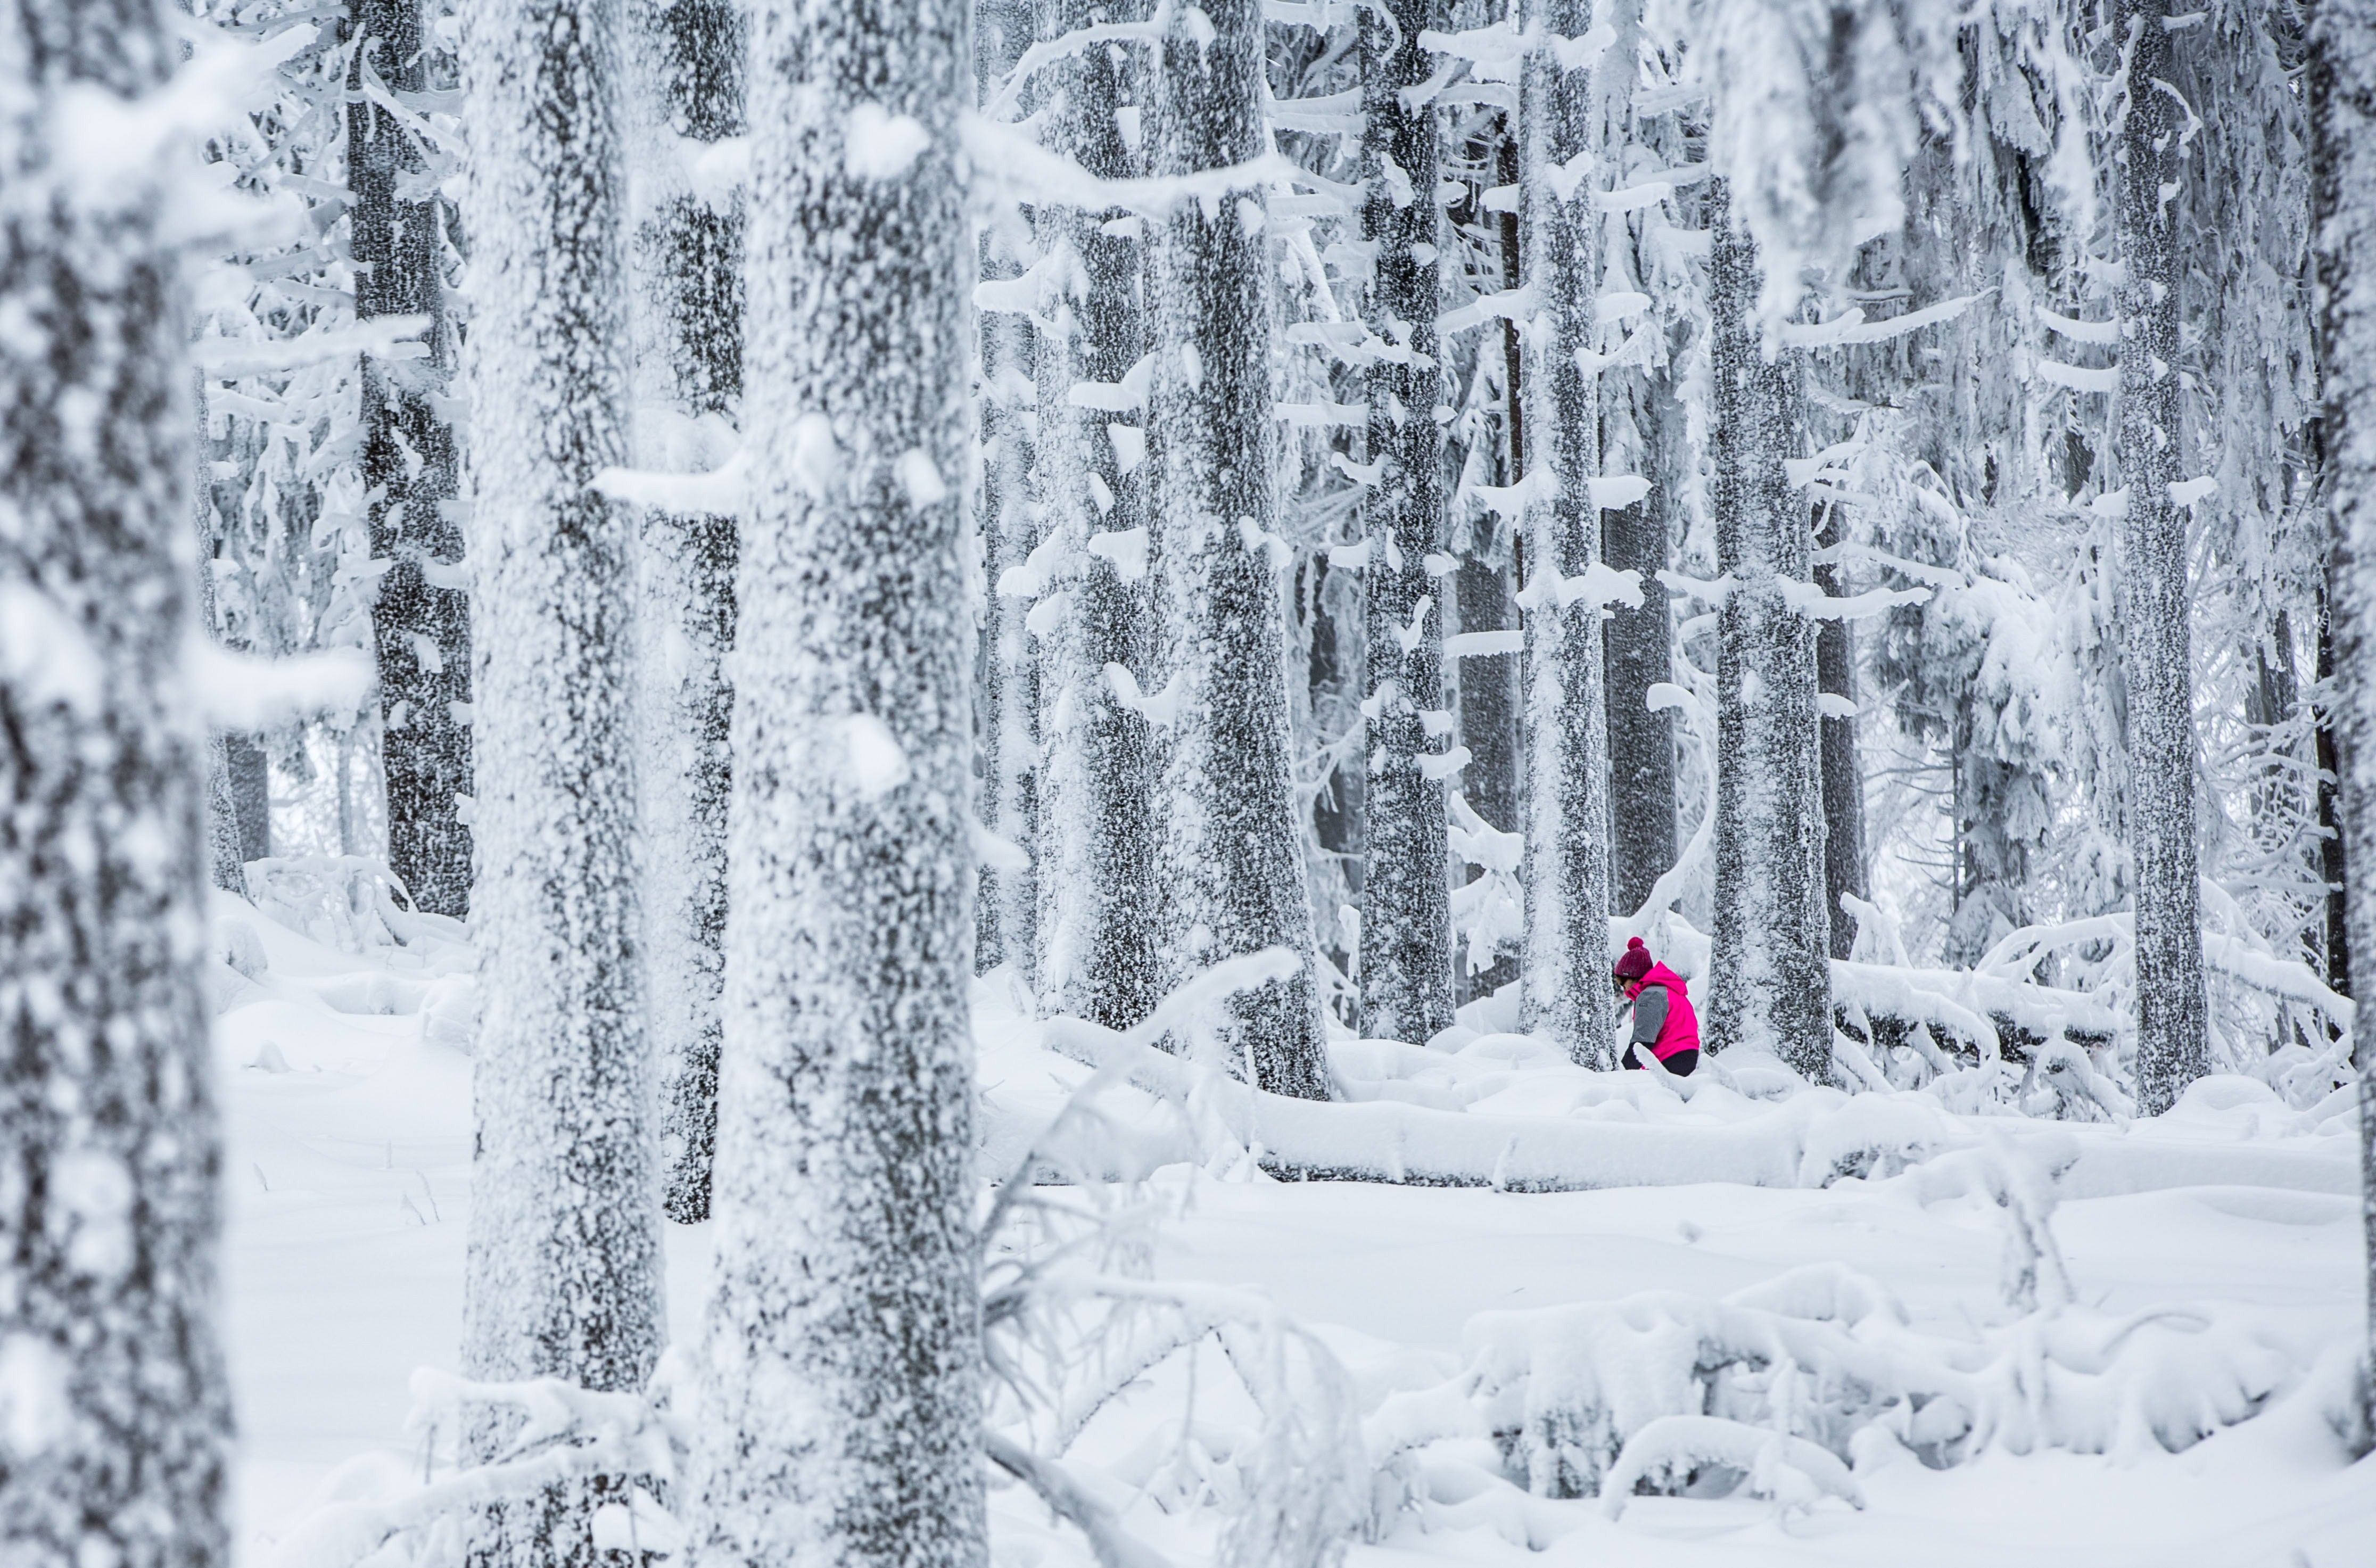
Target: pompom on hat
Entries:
(1634, 962)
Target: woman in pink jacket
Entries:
(1663, 1018)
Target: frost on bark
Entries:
(1843, 776)
(420, 615)
(1488, 704)
(1007, 675)
(2334, 865)
(1489, 700)
(687, 55)
(1006, 904)
(1771, 987)
(842, 1401)
(1097, 955)
(2342, 89)
(1566, 969)
(226, 866)
(563, 1272)
(1230, 849)
(2157, 648)
(248, 768)
(1637, 649)
(1405, 886)
(113, 1447)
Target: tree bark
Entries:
(226, 866)
(1488, 685)
(250, 770)
(114, 1445)
(2333, 863)
(1406, 887)
(1843, 776)
(688, 57)
(1771, 988)
(1006, 906)
(420, 614)
(841, 1409)
(1638, 643)
(2341, 83)
(2158, 652)
(1566, 969)
(562, 1273)
(1488, 694)
(1230, 849)
(1097, 951)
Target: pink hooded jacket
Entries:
(1680, 1031)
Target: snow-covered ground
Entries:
(2213, 1262)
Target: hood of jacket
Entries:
(1659, 974)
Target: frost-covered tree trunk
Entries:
(1843, 774)
(687, 55)
(2342, 89)
(1638, 651)
(1230, 847)
(112, 1449)
(226, 867)
(1566, 971)
(1771, 987)
(249, 771)
(1489, 686)
(842, 1400)
(2333, 863)
(1007, 900)
(420, 615)
(2156, 647)
(563, 1274)
(1487, 699)
(1097, 952)
(1406, 889)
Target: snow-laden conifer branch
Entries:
(1011, 166)
(388, 336)
(1073, 43)
(1850, 327)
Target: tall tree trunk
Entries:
(1488, 696)
(562, 1273)
(226, 868)
(1489, 684)
(1843, 776)
(420, 615)
(1006, 907)
(248, 767)
(2157, 646)
(2342, 89)
(1566, 972)
(1771, 988)
(1097, 951)
(687, 55)
(1230, 844)
(842, 1405)
(1406, 886)
(2332, 862)
(238, 810)
(1639, 648)
(114, 1446)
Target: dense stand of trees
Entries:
(1298, 357)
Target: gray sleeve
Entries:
(1649, 1015)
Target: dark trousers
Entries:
(1680, 1063)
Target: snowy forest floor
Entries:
(348, 1113)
